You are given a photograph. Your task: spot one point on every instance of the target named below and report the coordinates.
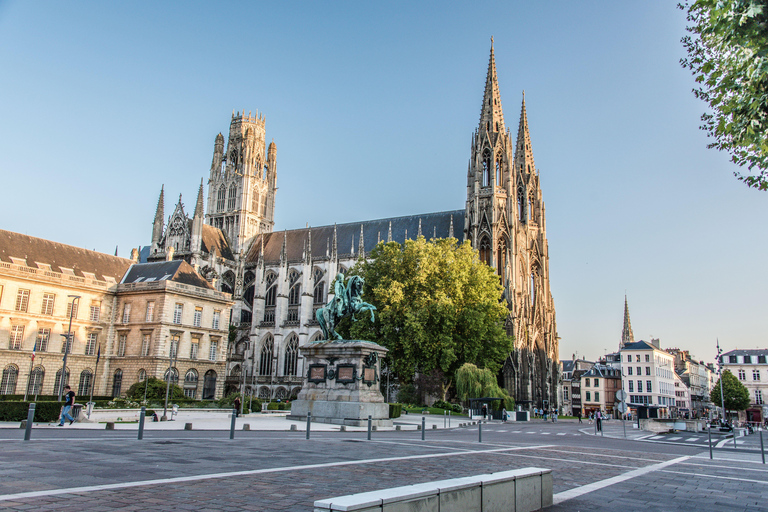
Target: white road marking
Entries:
(656, 437)
(751, 480)
(594, 486)
(210, 476)
(676, 438)
(691, 439)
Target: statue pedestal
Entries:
(341, 384)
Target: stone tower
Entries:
(505, 222)
(626, 331)
(243, 181)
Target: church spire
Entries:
(491, 115)
(523, 150)
(626, 332)
(197, 221)
(157, 227)
(199, 208)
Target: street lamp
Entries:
(720, 373)
(171, 356)
(69, 338)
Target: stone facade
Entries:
(750, 366)
(278, 280)
(39, 280)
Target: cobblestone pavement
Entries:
(262, 471)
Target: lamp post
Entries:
(69, 338)
(720, 373)
(171, 357)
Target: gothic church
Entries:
(279, 279)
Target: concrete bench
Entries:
(518, 490)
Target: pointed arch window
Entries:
(533, 290)
(501, 257)
(498, 171)
(290, 366)
(530, 208)
(220, 197)
(486, 168)
(521, 204)
(232, 197)
(265, 360)
(485, 251)
(319, 293)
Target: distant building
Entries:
(124, 323)
(598, 387)
(649, 375)
(697, 376)
(572, 371)
(682, 397)
(750, 367)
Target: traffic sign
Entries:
(622, 407)
(621, 395)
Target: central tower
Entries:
(242, 185)
(505, 222)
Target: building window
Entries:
(198, 318)
(742, 375)
(597, 396)
(173, 376)
(177, 310)
(589, 396)
(47, 307)
(66, 345)
(145, 343)
(586, 382)
(629, 358)
(57, 384)
(291, 356)
(72, 308)
(142, 375)
(174, 348)
(117, 382)
(759, 396)
(747, 359)
(755, 374)
(498, 170)
(232, 197)
(565, 393)
(521, 204)
(639, 370)
(95, 311)
(190, 383)
(732, 359)
(486, 168)
(36, 381)
(596, 384)
(209, 385)
(126, 313)
(17, 336)
(485, 251)
(194, 347)
(10, 376)
(319, 293)
(150, 316)
(90, 346)
(265, 361)
(214, 350)
(631, 387)
(647, 358)
(648, 387)
(86, 379)
(761, 359)
(220, 198)
(647, 370)
(22, 301)
(43, 337)
(637, 358)
(216, 319)
(629, 370)
(122, 339)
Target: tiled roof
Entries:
(638, 345)
(748, 352)
(348, 235)
(213, 238)
(37, 250)
(178, 271)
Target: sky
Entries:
(372, 106)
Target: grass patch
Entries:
(427, 410)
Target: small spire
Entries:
(335, 252)
(434, 231)
(450, 229)
(491, 113)
(523, 150)
(261, 252)
(626, 333)
(361, 243)
(419, 234)
(352, 246)
(406, 235)
(157, 228)
(199, 207)
(389, 234)
(309, 246)
(283, 251)
(378, 238)
(115, 250)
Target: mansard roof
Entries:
(214, 238)
(37, 250)
(639, 345)
(747, 352)
(178, 271)
(348, 236)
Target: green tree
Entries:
(736, 395)
(438, 307)
(728, 55)
(474, 382)
(155, 390)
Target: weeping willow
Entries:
(474, 382)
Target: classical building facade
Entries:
(279, 279)
(123, 316)
(750, 366)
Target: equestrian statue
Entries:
(346, 302)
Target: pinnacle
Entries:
(491, 114)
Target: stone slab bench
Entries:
(518, 490)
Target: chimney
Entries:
(135, 255)
(169, 254)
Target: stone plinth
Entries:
(341, 385)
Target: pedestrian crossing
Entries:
(540, 432)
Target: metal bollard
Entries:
(369, 427)
(309, 422)
(479, 431)
(445, 419)
(232, 425)
(423, 420)
(142, 413)
(709, 435)
(31, 417)
(762, 447)
(449, 419)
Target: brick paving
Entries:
(286, 484)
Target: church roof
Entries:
(178, 271)
(348, 236)
(37, 250)
(214, 238)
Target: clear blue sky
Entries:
(101, 103)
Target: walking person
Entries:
(504, 414)
(591, 417)
(70, 397)
(599, 419)
(578, 415)
(237, 407)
